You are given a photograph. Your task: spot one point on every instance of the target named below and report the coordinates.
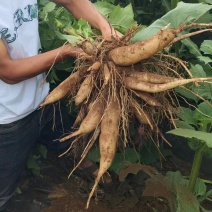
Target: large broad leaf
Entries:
(184, 13)
(172, 187)
(186, 201)
(188, 133)
(104, 8)
(122, 18)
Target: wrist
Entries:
(71, 51)
(64, 52)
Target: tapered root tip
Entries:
(92, 191)
(69, 136)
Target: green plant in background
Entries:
(148, 155)
(32, 164)
(196, 121)
(196, 125)
(147, 11)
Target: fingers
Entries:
(111, 34)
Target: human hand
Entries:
(111, 33)
(72, 51)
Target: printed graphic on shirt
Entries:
(29, 13)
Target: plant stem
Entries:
(196, 166)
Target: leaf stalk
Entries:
(196, 166)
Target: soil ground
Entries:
(54, 192)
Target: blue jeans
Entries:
(18, 138)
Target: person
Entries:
(22, 73)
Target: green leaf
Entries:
(208, 69)
(197, 70)
(70, 38)
(185, 93)
(176, 178)
(94, 155)
(53, 78)
(122, 18)
(32, 164)
(46, 9)
(150, 153)
(205, 109)
(193, 48)
(188, 133)
(183, 195)
(208, 1)
(194, 143)
(47, 38)
(200, 188)
(205, 59)
(205, 196)
(206, 47)
(120, 161)
(18, 190)
(187, 115)
(204, 90)
(186, 200)
(177, 192)
(184, 13)
(204, 116)
(205, 210)
(166, 4)
(43, 2)
(104, 8)
(42, 150)
(183, 124)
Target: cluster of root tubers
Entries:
(120, 81)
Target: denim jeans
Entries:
(18, 138)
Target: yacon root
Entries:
(111, 89)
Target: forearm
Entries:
(15, 71)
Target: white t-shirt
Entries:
(19, 31)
